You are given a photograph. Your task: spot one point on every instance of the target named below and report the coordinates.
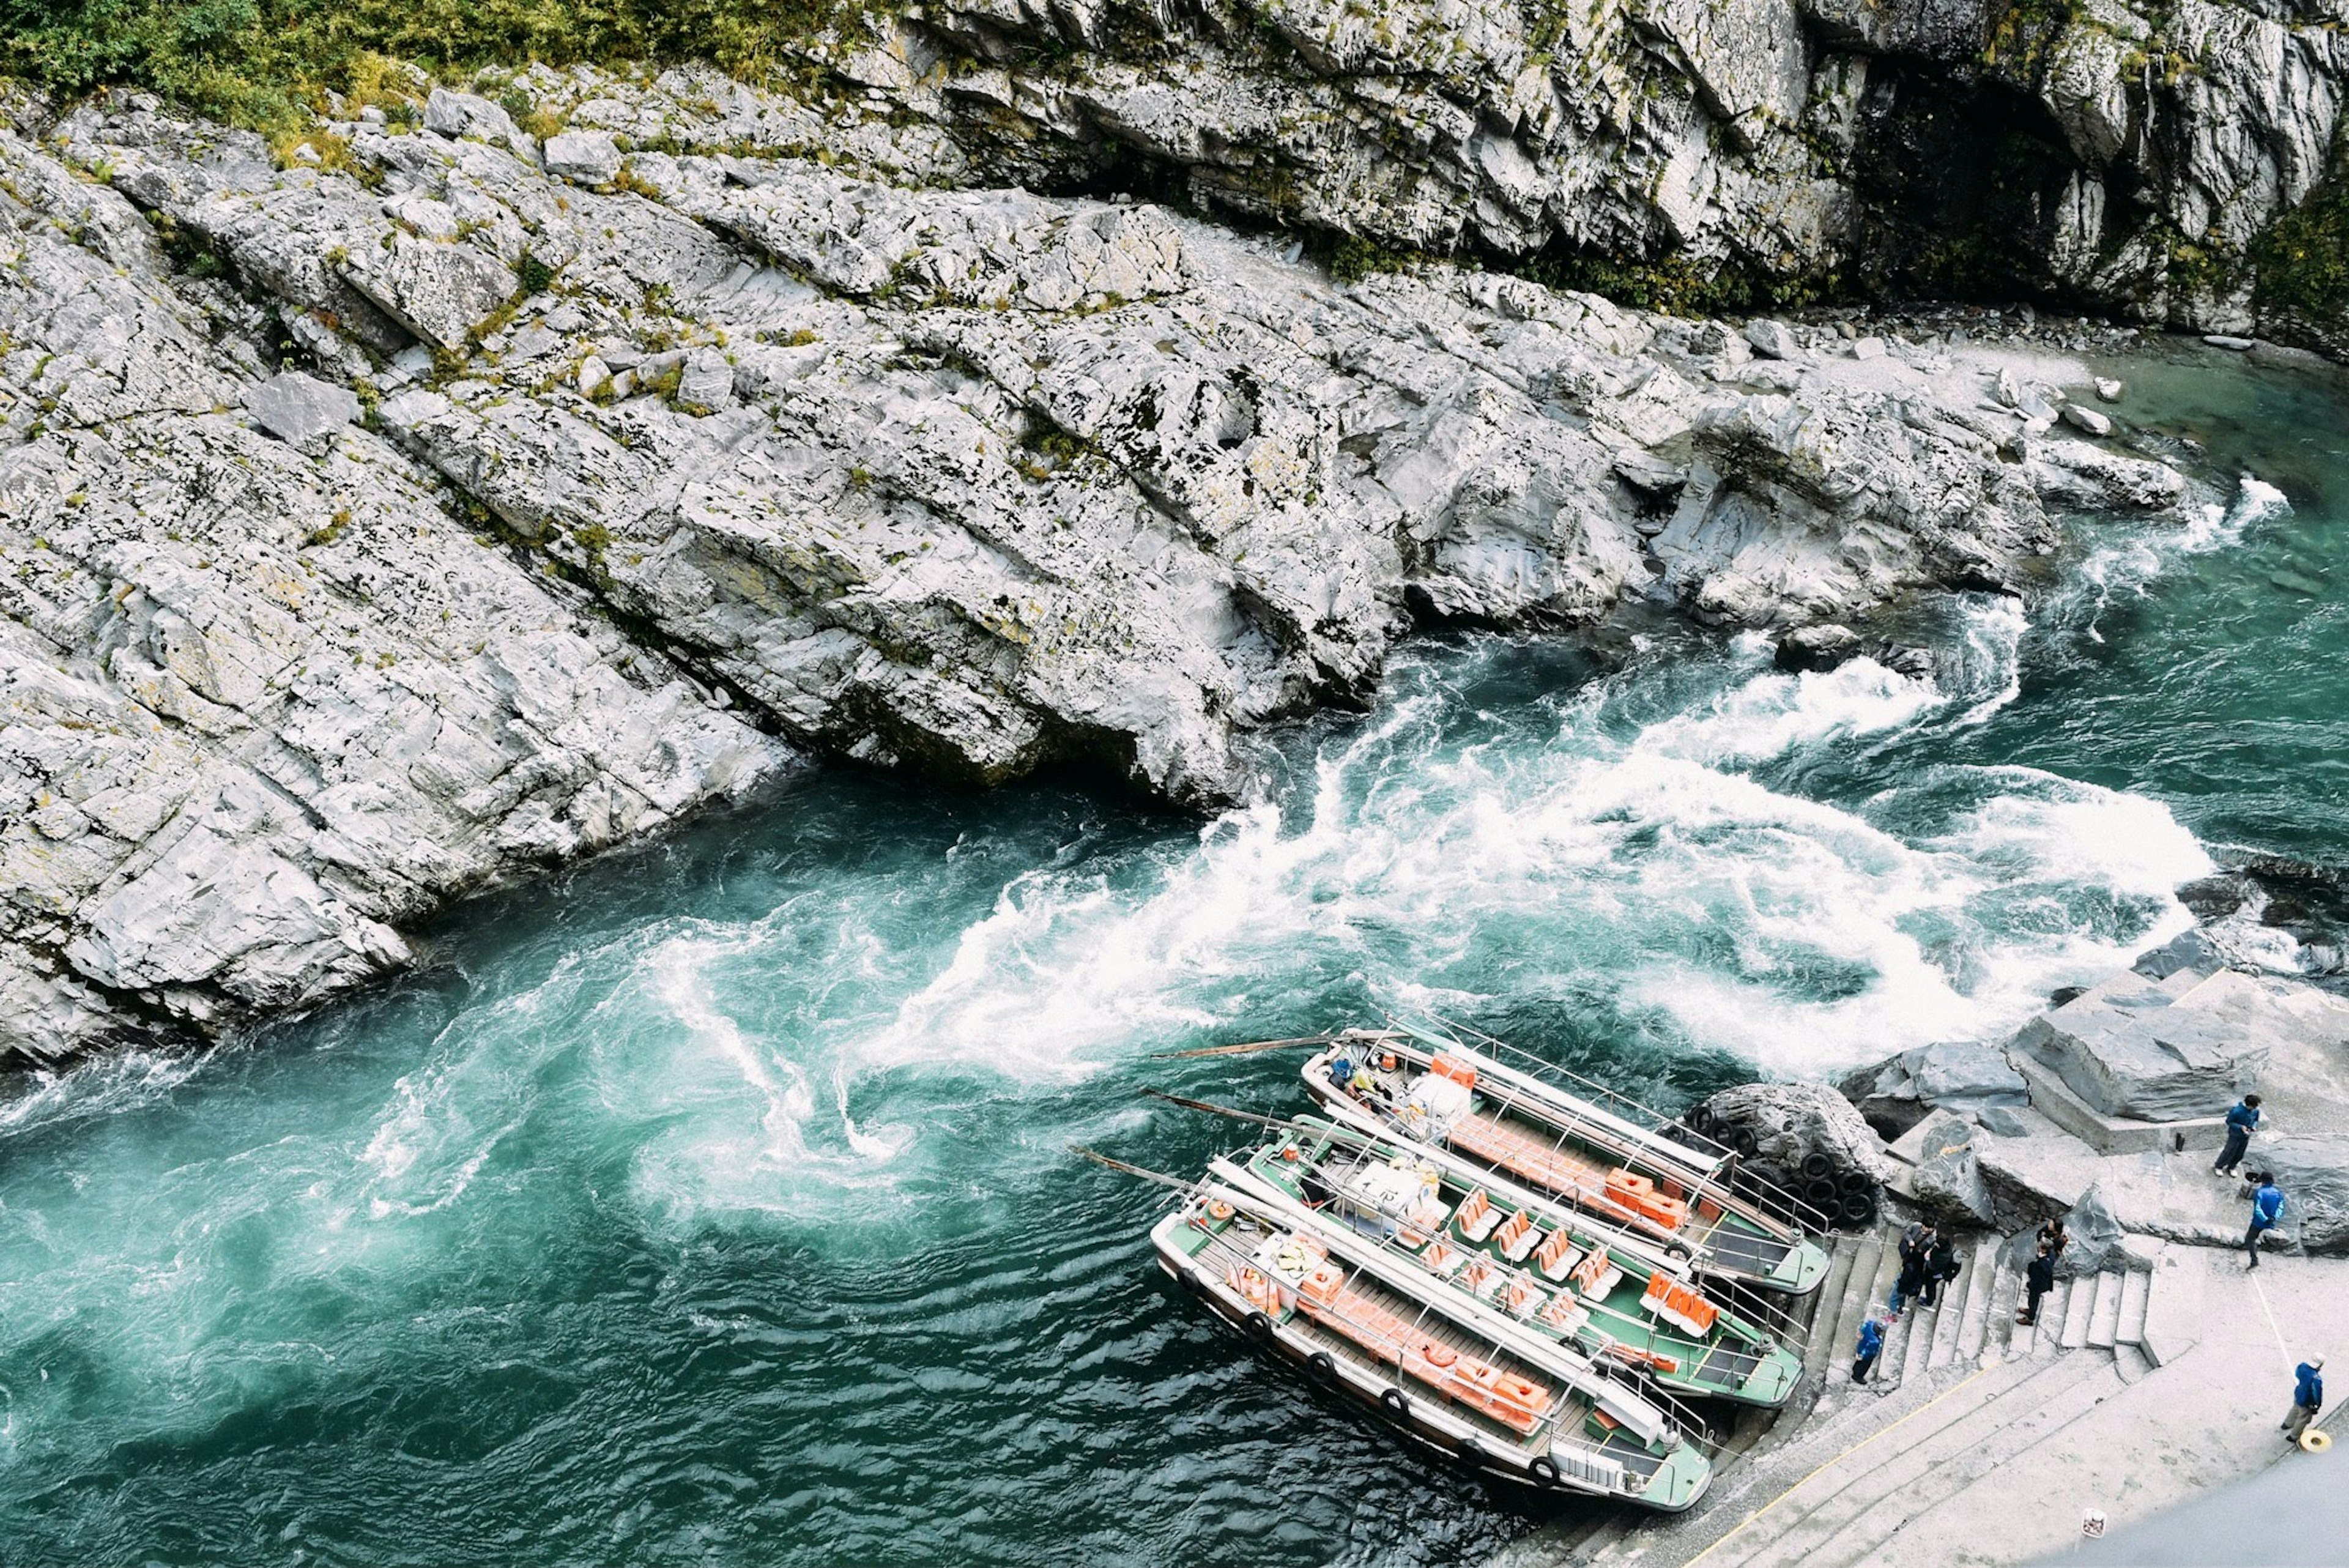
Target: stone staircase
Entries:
(1960, 1391)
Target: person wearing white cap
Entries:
(2307, 1398)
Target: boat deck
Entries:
(1724, 1365)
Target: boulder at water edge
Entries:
(1964, 1076)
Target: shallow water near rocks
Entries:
(713, 1203)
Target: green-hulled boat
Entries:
(1505, 1407)
(1551, 1271)
(1525, 1124)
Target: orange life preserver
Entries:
(1218, 1209)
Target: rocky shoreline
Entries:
(421, 502)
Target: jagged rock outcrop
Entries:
(1963, 1077)
(2128, 156)
(974, 481)
(257, 708)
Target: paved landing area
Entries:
(1984, 1443)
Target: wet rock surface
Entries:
(652, 469)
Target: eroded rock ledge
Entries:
(662, 455)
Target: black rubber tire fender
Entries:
(1742, 1140)
(1545, 1469)
(1822, 1193)
(1397, 1402)
(1857, 1182)
(1859, 1208)
(1817, 1165)
(1766, 1175)
(1322, 1365)
(1470, 1453)
(1258, 1326)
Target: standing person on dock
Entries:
(1941, 1268)
(2267, 1207)
(2039, 1278)
(1916, 1245)
(2307, 1398)
(2240, 1123)
(1870, 1346)
(2052, 1236)
(1916, 1248)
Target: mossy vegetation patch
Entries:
(264, 64)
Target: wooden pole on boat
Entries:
(1250, 1048)
(1160, 1176)
(1216, 1110)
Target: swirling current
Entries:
(713, 1203)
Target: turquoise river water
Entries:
(712, 1204)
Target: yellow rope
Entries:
(1829, 1465)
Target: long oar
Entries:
(1216, 1110)
(1248, 1049)
(1160, 1176)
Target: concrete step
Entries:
(2104, 1316)
(2005, 1301)
(1830, 1345)
(1851, 1311)
(1923, 1324)
(1973, 1319)
(2078, 1309)
(1965, 1456)
(1957, 1304)
(2136, 1288)
(2041, 1338)
(1811, 1524)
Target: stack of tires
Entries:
(1845, 1197)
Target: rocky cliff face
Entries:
(2130, 158)
(419, 501)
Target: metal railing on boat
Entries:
(1773, 1202)
(1614, 1371)
(1553, 1423)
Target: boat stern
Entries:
(1676, 1484)
(1801, 1271)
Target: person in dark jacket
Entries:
(2307, 1398)
(1941, 1268)
(2240, 1123)
(2038, 1279)
(2052, 1236)
(2267, 1207)
(1916, 1245)
(1910, 1283)
(1870, 1346)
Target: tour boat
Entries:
(1506, 1407)
(1546, 1269)
(1531, 1129)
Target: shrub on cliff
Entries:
(260, 63)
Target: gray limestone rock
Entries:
(2096, 1241)
(2184, 1046)
(1817, 648)
(1791, 1122)
(302, 410)
(1774, 339)
(2081, 418)
(1966, 1077)
(967, 480)
(2073, 474)
(589, 156)
(2314, 1174)
(1946, 1181)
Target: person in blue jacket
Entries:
(2307, 1398)
(1871, 1345)
(2267, 1207)
(2240, 1123)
